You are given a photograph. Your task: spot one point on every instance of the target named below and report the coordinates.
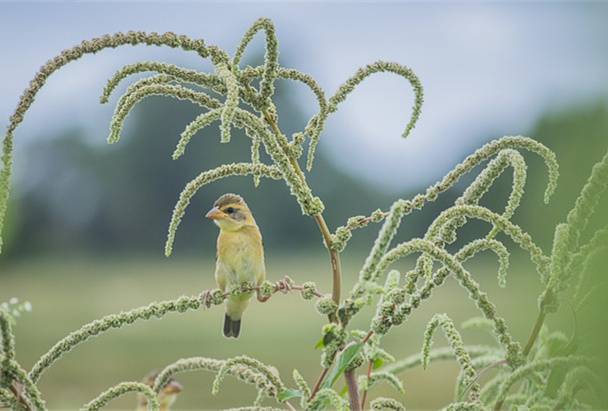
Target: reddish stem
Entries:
(353, 391)
(369, 373)
(318, 384)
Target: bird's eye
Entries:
(230, 210)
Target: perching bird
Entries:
(240, 256)
(166, 397)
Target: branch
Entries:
(107, 323)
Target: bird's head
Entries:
(167, 395)
(231, 213)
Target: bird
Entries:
(240, 256)
(166, 396)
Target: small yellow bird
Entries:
(166, 397)
(240, 256)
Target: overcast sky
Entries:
(488, 68)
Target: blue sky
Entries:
(488, 68)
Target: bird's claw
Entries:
(284, 285)
(206, 298)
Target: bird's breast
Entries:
(240, 260)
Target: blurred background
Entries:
(87, 222)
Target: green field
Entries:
(66, 294)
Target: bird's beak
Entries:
(215, 214)
(173, 388)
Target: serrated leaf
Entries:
(289, 394)
(344, 358)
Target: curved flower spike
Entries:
(66, 56)
(206, 177)
(382, 403)
(466, 281)
(401, 207)
(455, 340)
(271, 58)
(266, 372)
(119, 390)
(183, 75)
(112, 321)
(149, 87)
(231, 103)
(381, 66)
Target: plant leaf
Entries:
(320, 343)
(289, 394)
(344, 358)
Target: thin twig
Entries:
(15, 388)
(284, 286)
(318, 384)
(368, 375)
(534, 334)
(367, 337)
(479, 375)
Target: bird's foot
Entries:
(206, 298)
(285, 285)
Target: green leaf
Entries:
(320, 343)
(345, 357)
(289, 394)
(377, 363)
(343, 392)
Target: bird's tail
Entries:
(232, 328)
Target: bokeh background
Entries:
(87, 222)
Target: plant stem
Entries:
(534, 334)
(529, 344)
(369, 373)
(367, 337)
(334, 256)
(336, 268)
(318, 384)
(353, 391)
(22, 403)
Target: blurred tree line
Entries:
(579, 137)
(81, 195)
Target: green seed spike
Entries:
(271, 58)
(382, 66)
(207, 177)
(86, 47)
(139, 92)
(455, 339)
(121, 389)
(266, 372)
(210, 81)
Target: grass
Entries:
(68, 293)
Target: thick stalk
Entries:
(334, 256)
(353, 391)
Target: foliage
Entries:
(242, 98)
